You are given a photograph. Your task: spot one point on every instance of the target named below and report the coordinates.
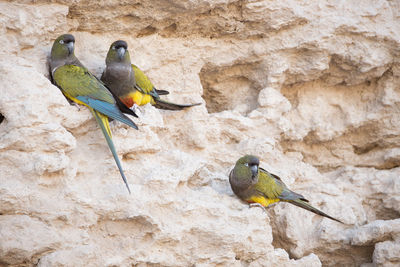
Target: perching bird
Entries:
(130, 84)
(80, 86)
(253, 184)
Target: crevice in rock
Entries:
(1, 118)
(355, 254)
(358, 147)
(365, 148)
(387, 165)
(149, 30)
(38, 256)
(232, 87)
(235, 19)
(380, 211)
(359, 139)
(345, 254)
(169, 30)
(138, 226)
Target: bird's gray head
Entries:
(249, 163)
(63, 46)
(118, 52)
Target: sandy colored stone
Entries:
(35, 239)
(311, 87)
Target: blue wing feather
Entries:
(108, 109)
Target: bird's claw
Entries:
(251, 205)
(76, 105)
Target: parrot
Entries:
(130, 84)
(254, 184)
(82, 87)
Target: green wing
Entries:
(274, 187)
(78, 81)
(82, 87)
(269, 184)
(143, 82)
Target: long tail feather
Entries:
(305, 205)
(105, 128)
(162, 104)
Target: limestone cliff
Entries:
(311, 87)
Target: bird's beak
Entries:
(70, 47)
(121, 52)
(254, 170)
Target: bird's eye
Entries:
(246, 164)
(61, 41)
(113, 47)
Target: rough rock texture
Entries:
(311, 87)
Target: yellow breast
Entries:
(262, 200)
(141, 99)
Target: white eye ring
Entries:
(113, 48)
(246, 164)
(61, 41)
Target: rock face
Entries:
(311, 87)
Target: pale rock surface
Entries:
(311, 87)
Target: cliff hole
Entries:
(1, 118)
(234, 87)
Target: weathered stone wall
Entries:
(311, 87)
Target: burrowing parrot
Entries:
(253, 184)
(80, 86)
(129, 83)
